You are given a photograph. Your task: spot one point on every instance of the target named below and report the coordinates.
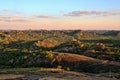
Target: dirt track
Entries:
(53, 74)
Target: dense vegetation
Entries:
(45, 48)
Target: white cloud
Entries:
(91, 12)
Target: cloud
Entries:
(5, 10)
(92, 13)
(18, 12)
(7, 15)
(44, 16)
(8, 12)
(5, 18)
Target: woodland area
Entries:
(71, 50)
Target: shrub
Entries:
(25, 57)
(59, 67)
(68, 69)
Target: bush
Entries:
(59, 67)
(68, 69)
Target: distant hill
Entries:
(82, 34)
(98, 31)
(112, 33)
(70, 46)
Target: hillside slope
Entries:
(76, 62)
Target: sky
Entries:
(60, 14)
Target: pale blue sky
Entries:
(55, 6)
